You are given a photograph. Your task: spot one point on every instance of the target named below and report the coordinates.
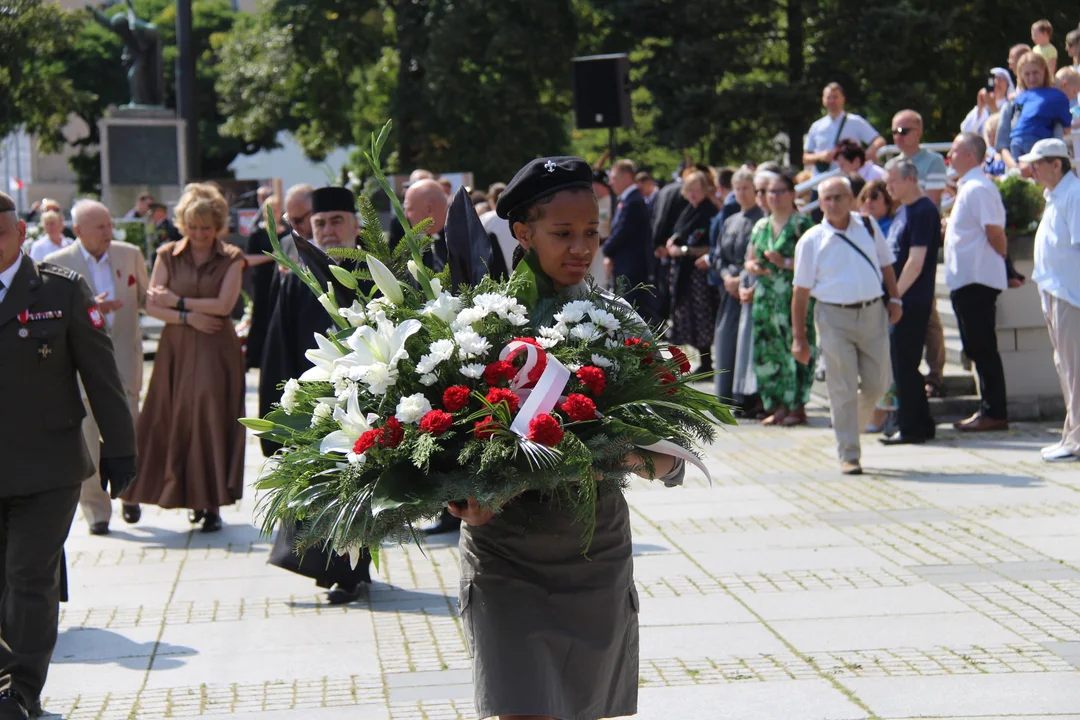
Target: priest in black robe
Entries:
(297, 316)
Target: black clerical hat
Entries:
(541, 178)
(333, 199)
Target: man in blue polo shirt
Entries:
(914, 238)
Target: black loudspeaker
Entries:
(602, 91)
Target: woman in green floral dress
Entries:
(783, 383)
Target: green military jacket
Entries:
(51, 331)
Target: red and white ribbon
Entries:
(542, 396)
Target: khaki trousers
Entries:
(95, 502)
(1063, 322)
(935, 349)
(855, 345)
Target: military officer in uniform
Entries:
(50, 330)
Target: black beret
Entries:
(332, 199)
(542, 178)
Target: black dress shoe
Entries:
(195, 516)
(99, 528)
(211, 522)
(902, 439)
(12, 706)
(446, 524)
(345, 594)
(132, 513)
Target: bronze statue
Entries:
(142, 54)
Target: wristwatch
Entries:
(897, 301)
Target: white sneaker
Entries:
(1059, 455)
(1051, 448)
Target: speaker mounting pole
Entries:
(611, 144)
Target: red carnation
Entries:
(639, 343)
(456, 397)
(366, 441)
(436, 422)
(579, 408)
(483, 429)
(593, 378)
(497, 395)
(393, 433)
(667, 378)
(545, 429)
(679, 357)
(499, 370)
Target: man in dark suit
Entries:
(51, 333)
(628, 251)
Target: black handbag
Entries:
(822, 166)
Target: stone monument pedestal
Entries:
(142, 149)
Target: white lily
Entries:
(328, 301)
(354, 314)
(323, 358)
(376, 352)
(353, 424)
(385, 280)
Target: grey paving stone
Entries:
(1068, 651)
(1023, 694)
(688, 642)
(443, 677)
(898, 631)
(412, 693)
(803, 699)
(851, 602)
(1039, 570)
(915, 515)
(855, 517)
(954, 574)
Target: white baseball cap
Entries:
(1045, 149)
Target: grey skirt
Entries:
(551, 631)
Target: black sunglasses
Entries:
(902, 131)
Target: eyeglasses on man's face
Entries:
(901, 131)
(760, 191)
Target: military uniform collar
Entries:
(19, 297)
(8, 276)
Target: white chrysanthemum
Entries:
(412, 407)
(472, 370)
(547, 343)
(573, 367)
(471, 343)
(601, 361)
(379, 378)
(605, 319)
(440, 350)
(323, 411)
(288, 396)
(611, 343)
(467, 317)
(429, 380)
(354, 314)
(574, 311)
(517, 319)
(585, 331)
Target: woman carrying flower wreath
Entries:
(554, 633)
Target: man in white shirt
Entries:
(53, 225)
(1057, 272)
(116, 273)
(819, 150)
(842, 263)
(494, 225)
(975, 246)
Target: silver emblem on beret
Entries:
(550, 166)
(24, 333)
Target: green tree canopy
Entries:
(35, 90)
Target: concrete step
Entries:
(954, 407)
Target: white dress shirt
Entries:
(833, 271)
(969, 256)
(101, 277)
(41, 247)
(1057, 243)
(501, 228)
(8, 276)
(822, 135)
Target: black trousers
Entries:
(907, 338)
(976, 314)
(33, 529)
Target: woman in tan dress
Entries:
(191, 447)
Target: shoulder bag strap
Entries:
(840, 130)
(859, 250)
